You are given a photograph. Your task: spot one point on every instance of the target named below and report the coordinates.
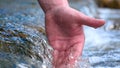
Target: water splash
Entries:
(82, 63)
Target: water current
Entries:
(23, 43)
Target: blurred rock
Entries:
(109, 3)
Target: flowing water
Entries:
(23, 43)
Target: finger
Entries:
(92, 22)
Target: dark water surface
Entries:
(23, 43)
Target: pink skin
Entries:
(64, 28)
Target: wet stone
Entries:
(23, 41)
(112, 25)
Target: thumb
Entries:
(92, 22)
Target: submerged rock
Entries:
(21, 42)
(22, 35)
(112, 25)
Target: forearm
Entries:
(50, 4)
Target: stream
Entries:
(23, 43)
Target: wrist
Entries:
(48, 5)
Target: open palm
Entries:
(64, 28)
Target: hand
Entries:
(64, 28)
